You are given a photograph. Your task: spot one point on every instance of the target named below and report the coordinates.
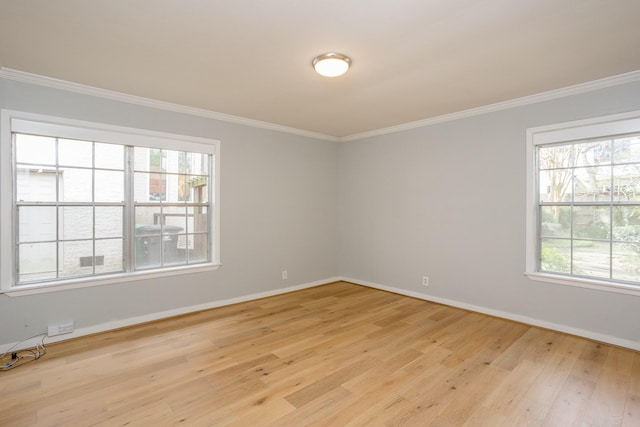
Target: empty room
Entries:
(355, 213)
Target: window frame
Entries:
(17, 121)
(579, 130)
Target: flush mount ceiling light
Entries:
(331, 64)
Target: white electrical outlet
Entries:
(285, 274)
(61, 328)
(425, 280)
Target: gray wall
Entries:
(448, 201)
(279, 209)
(445, 200)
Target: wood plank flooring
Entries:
(334, 355)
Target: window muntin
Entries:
(585, 221)
(589, 208)
(60, 205)
(171, 194)
(76, 214)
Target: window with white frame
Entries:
(93, 202)
(583, 197)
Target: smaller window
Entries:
(583, 215)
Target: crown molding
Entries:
(24, 77)
(620, 79)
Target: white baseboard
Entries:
(633, 345)
(117, 324)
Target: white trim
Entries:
(634, 345)
(89, 282)
(6, 209)
(47, 125)
(594, 127)
(217, 197)
(36, 79)
(123, 323)
(531, 209)
(631, 77)
(24, 77)
(12, 120)
(599, 285)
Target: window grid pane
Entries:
(589, 209)
(70, 213)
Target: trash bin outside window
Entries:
(157, 246)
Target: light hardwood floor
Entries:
(333, 355)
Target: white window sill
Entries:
(599, 285)
(86, 282)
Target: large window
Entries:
(584, 202)
(92, 203)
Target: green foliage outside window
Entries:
(554, 261)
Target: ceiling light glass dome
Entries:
(331, 64)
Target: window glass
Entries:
(588, 221)
(83, 208)
(591, 184)
(626, 150)
(35, 150)
(76, 222)
(109, 156)
(626, 183)
(71, 255)
(37, 261)
(75, 185)
(75, 153)
(109, 221)
(37, 223)
(109, 256)
(109, 186)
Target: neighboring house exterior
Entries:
(86, 218)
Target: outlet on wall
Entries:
(285, 274)
(61, 328)
(425, 280)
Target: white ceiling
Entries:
(412, 59)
